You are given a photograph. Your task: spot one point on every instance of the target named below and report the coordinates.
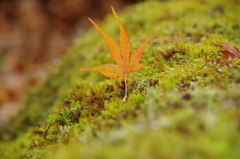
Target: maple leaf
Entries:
(230, 52)
(126, 60)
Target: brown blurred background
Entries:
(33, 36)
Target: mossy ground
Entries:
(179, 105)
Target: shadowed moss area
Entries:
(184, 104)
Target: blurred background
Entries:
(34, 34)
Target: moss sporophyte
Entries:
(126, 60)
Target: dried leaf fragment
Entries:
(230, 52)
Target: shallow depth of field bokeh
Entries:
(33, 36)
(183, 104)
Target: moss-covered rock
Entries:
(184, 104)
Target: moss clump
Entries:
(179, 105)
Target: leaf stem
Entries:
(126, 87)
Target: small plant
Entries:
(127, 62)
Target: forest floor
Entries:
(183, 104)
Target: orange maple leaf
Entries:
(126, 60)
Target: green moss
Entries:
(179, 106)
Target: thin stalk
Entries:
(126, 88)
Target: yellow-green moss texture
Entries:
(179, 105)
